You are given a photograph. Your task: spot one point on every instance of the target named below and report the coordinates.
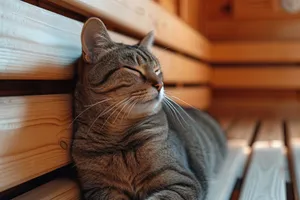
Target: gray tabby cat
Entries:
(131, 141)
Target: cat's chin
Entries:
(146, 109)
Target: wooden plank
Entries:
(35, 136)
(242, 129)
(46, 45)
(198, 97)
(252, 102)
(256, 52)
(36, 44)
(225, 122)
(229, 173)
(253, 30)
(265, 177)
(170, 5)
(59, 189)
(293, 127)
(267, 77)
(146, 15)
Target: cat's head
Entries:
(128, 76)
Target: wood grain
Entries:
(225, 122)
(265, 177)
(169, 5)
(260, 77)
(293, 128)
(147, 16)
(35, 136)
(231, 170)
(256, 52)
(35, 43)
(46, 45)
(242, 129)
(59, 189)
(198, 97)
(253, 30)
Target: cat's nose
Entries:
(158, 86)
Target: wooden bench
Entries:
(39, 46)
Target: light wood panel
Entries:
(35, 43)
(192, 12)
(35, 133)
(198, 97)
(242, 129)
(146, 15)
(265, 177)
(170, 5)
(256, 52)
(46, 45)
(234, 163)
(59, 189)
(258, 77)
(293, 127)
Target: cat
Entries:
(132, 142)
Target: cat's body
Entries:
(128, 144)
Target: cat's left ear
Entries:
(147, 41)
(94, 34)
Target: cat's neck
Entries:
(125, 134)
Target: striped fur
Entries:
(129, 142)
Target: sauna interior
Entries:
(236, 59)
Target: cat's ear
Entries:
(147, 41)
(94, 33)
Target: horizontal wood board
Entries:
(59, 189)
(257, 77)
(35, 136)
(147, 16)
(256, 52)
(38, 44)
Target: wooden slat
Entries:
(229, 173)
(146, 15)
(35, 136)
(225, 122)
(262, 103)
(198, 97)
(294, 144)
(243, 130)
(253, 30)
(36, 44)
(170, 5)
(265, 177)
(46, 45)
(267, 77)
(60, 189)
(255, 52)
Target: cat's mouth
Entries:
(147, 96)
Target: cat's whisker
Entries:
(174, 111)
(173, 102)
(180, 108)
(89, 107)
(182, 101)
(97, 102)
(126, 104)
(106, 111)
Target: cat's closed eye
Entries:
(133, 70)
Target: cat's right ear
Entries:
(94, 33)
